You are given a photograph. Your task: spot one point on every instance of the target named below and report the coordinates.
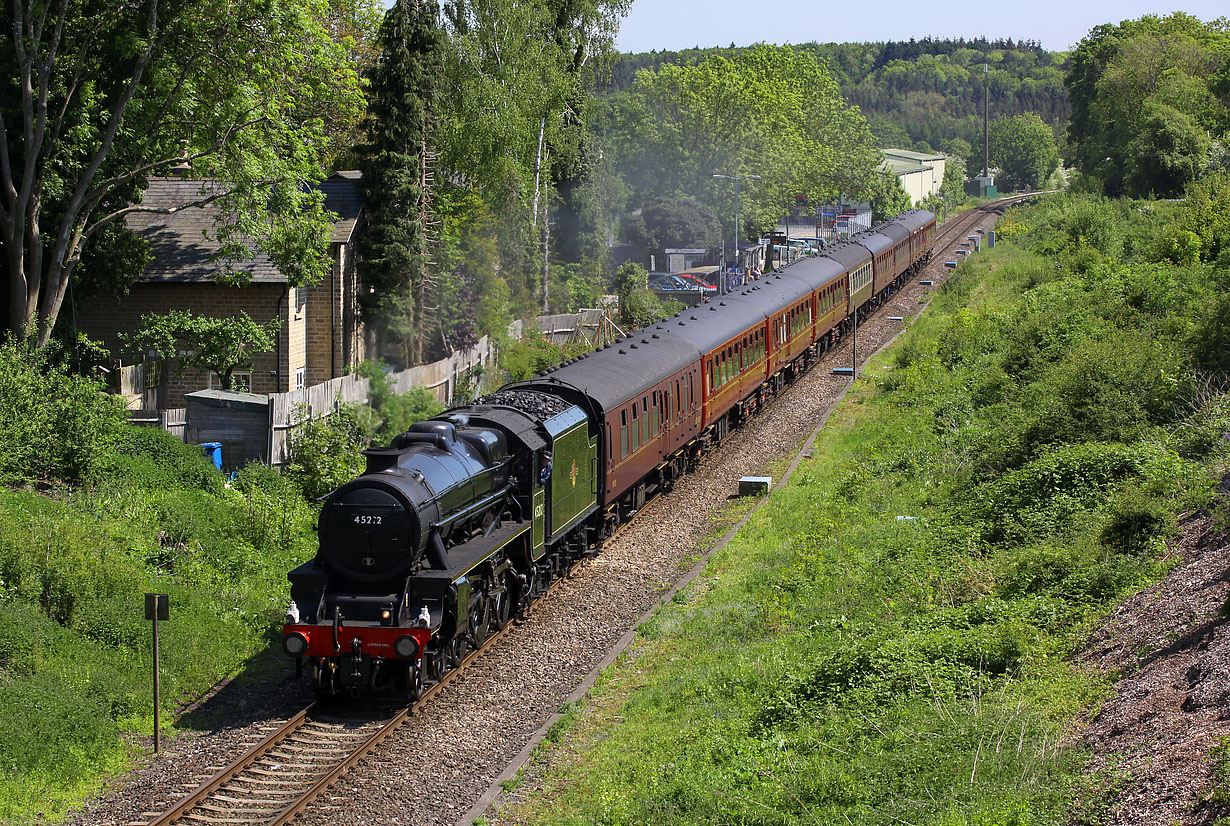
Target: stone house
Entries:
(322, 335)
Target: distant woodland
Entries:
(920, 94)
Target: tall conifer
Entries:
(397, 166)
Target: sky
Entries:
(1058, 24)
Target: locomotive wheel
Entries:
(480, 621)
(454, 651)
(501, 610)
(433, 663)
(414, 681)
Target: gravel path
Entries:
(434, 770)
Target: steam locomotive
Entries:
(465, 519)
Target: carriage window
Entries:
(623, 434)
(636, 429)
(654, 419)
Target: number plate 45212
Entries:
(366, 519)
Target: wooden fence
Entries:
(140, 385)
(290, 410)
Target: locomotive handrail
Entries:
(473, 507)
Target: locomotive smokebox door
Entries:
(157, 607)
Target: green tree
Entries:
(397, 176)
(1023, 147)
(668, 222)
(888, 197)
(952, 189)
(1125, 82)
(96, 96)
(769, 111)
(516, 121)
(471, 254)
(1167, 153)
(222, 345)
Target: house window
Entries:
(153, 373)
(241, 381)
(301, 378)
(300, 299)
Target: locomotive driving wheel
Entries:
(454, 652)
(501, 609)
(414, 680)
(480, 619)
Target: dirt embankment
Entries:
(1152, 744)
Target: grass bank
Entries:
(887, 640)
(93, 514)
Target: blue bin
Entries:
(213, 452)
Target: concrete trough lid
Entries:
(755, 485)
(929, 283)
(950, 264)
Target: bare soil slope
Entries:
(1152, 743)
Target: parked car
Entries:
(665, 282)
(695, 281)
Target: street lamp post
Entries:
(736, 179)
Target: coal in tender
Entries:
(540, 406)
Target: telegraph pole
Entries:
(986, 132)
(736, 179)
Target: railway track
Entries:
(293, 766)
(281, 776)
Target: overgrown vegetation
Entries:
(118, 511)
(887, 640)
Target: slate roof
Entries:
(182, 243)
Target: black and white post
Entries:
(157, 607)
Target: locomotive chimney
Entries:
(381, 458)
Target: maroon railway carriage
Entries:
(643, 395)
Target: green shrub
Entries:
(397, 413)
(151, 458)
(325, 452)
(1134, 519)
(53, 426)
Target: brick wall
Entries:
(106, 317)
(335, 343)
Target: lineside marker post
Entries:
(854, 349)
(157, 607)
